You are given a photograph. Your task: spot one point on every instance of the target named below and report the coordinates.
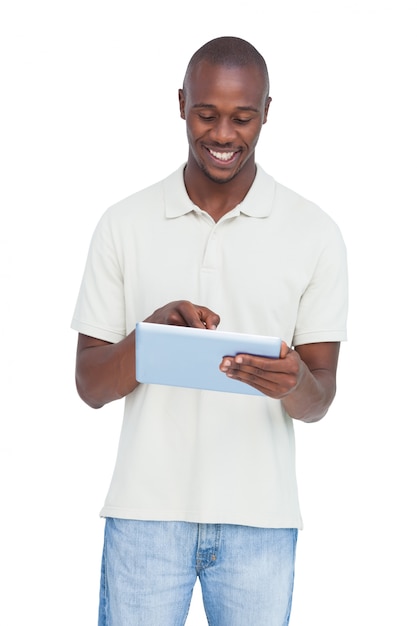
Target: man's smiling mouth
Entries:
(222, 156)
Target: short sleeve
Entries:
(322, 314)
(100, 308)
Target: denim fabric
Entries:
(149, 570)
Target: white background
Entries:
(89, 115)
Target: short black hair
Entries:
(229, 52)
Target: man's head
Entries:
(229, 52)
(224, 100)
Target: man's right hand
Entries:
(185, 313)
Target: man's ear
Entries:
(267, 103)
(181, 99)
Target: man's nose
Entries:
(223, 131)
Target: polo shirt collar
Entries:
(257, 203)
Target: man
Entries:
(204, 483)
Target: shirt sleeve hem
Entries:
(95, 331)
(319, 336)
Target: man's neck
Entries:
(217, 198)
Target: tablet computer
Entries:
(181, 356)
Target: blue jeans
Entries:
(149, 570)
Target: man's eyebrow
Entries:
(248, 108)
(204, 105)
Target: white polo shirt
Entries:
(275, 265)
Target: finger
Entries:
(210, 319)
(284, 350)
(249, 362)
(271, 376)
(254, 375)
(199, 316)
(273, 386)
(186, 314)
(239, 368)
(269, 386)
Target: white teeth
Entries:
(223, 156)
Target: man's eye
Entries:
(207, 118)
(242, 121)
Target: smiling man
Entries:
(223, 132)
(205, 483)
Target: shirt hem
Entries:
(201, 518)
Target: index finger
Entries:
(198, 316)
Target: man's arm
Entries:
(107, 371)
(304, 378)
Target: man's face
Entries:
(224, 108)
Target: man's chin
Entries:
(220, 180)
